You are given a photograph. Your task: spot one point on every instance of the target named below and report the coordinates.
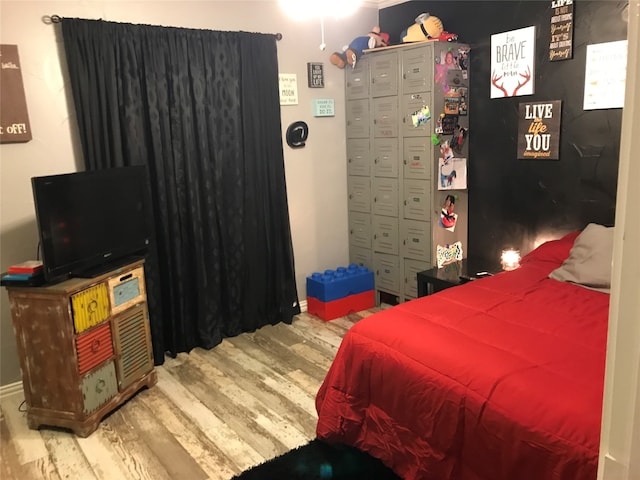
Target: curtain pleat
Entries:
(201, 110)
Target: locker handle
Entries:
(404, 76)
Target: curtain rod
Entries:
(49, 19)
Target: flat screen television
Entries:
(89, 221)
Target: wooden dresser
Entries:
(84, 347)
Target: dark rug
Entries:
(318, 460)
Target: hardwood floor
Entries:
(212, 414)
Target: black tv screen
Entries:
(88, 221)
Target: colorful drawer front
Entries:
(94, 347)
(99, 387)
(127, 290)
(90, 307)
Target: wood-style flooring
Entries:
(212, 414)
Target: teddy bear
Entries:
(350, 54)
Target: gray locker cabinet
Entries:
(385, 234)
(385, 196)
(416, 240)
(387, 272)
(360, 229)
(361, 256)
(386, 157)
(417, 158)
(417, 200)
(384, 74)
(359, 193)
(357, 81)
(359, 156)
(404, 200)
(385, 116)
(358, 118)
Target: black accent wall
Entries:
(515, 202)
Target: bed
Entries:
(497, 379)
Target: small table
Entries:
(457, 273)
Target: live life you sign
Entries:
(14, 117)
(539, 130)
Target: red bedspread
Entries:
(498, 379)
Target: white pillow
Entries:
(589, 261)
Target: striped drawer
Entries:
(94, 347)
(90, 307)
(99, 387)
(133, 344)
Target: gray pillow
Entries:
(589, 261)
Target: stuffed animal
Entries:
(350, 54)
(426, 27)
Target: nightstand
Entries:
(454, 274)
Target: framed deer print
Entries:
(513, 63)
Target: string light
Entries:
(510, 259)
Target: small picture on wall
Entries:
(539, 130)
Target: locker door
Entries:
(358, 156)
(385, 196)
(385, 234)
(359, 194)
(385, 116)
(384, 74)
(417, 200)
(416, 240)
(411, 269)
(357, 117)
(416, 69)
(360, 229)
(357, 80)
(412, 103)
(385, 157)
(387, 271)
(417, 155)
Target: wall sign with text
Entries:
(315, 75)
(561, 42)
(14, 117)
(513, 63)
(539, 130)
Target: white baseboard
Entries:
(11, 389)
(303, 306)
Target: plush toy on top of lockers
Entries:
(350, 53)
(427, 27)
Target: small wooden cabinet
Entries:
(84, 347)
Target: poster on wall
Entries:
(561, 41)
(288, 88)
(539, 130)
(14, 116)
(513, 63)
(605, 75)
(315, 75)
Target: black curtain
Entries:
(201, 110)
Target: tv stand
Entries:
(84, 347)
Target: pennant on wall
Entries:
(539, 130)
(14, 117)
(513, 63)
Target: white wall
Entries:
(316, 174)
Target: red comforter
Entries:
(498, 379)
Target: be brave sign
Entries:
(539, 130)
(513, 63)
(14, 117)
